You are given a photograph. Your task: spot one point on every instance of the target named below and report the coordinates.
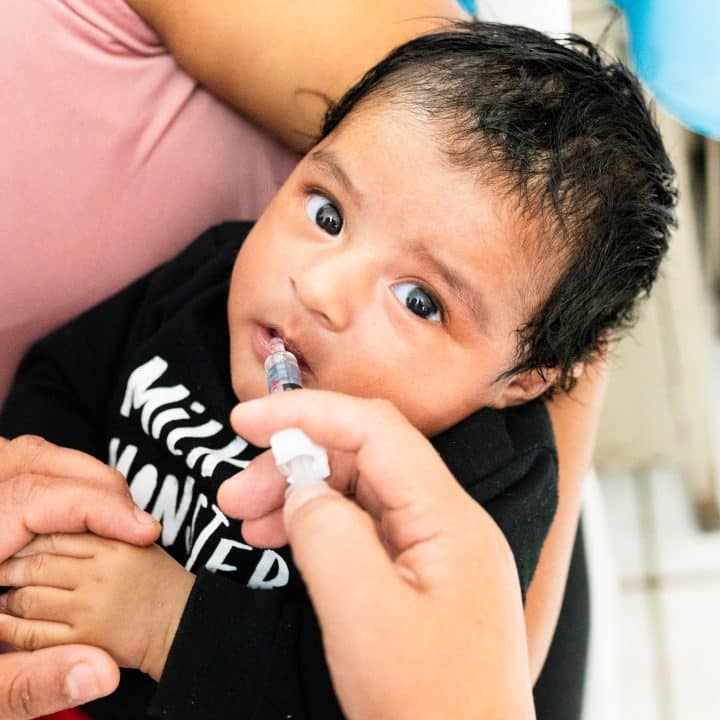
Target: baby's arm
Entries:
(85, 589)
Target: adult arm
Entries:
(575, 420)
(276, 62)
(45, 489)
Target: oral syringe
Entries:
(296, 455)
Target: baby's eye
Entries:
(417, 301)
(324, 213)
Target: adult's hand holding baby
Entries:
(45, 488)
(407, 634)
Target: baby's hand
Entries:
(91, 590)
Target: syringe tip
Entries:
(276, 345)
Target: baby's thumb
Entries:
(339, 554)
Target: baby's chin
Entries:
(246, 388)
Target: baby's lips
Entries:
(292, 347)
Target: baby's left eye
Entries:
(417, 301)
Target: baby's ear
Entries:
(525, 386)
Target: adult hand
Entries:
(45, 681)
(45, 489)
(414, 585)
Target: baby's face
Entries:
(388, 273)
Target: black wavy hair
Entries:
(572, 138)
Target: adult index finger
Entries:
(335, 545)
(395, 463)
(254, 492)
(259, 489)
(35, 455)
(38, 505)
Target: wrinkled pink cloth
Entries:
(111, 160)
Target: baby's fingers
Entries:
(78, 545)
(34, 634)
(41, 569)
(40, 603)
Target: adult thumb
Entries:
(335, 545)
(53, 679)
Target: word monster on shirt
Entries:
(156, 407)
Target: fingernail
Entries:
(297, 495)
(82, 684)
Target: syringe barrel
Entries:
(296, 455)
(281, 368)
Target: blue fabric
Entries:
(469, 5)
(676, 48)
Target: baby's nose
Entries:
(333, 286)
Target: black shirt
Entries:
(142, 381)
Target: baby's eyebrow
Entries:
(465, 292)
(328, 160)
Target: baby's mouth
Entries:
(291, 347)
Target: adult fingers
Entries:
(34, 455)
(259, 489)
(329, 418)
(334, 543)
(254, 492)
(383, 441)
(249, 495)
(47, 681)
(37, 505)
(399, 478)
(85, 506)
(267, 531)
(257, 493)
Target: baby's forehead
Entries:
(403, 174)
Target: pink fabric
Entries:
(111, 160)
(74, 714)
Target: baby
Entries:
(480, 215)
